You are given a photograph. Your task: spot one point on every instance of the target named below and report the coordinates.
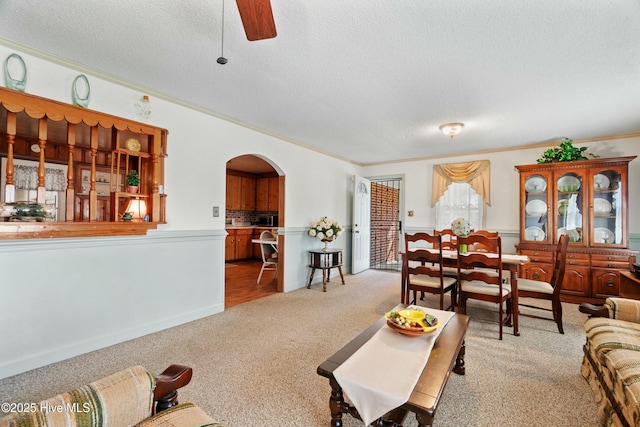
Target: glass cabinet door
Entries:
(607, 209)
(569, 206)
(536, 208)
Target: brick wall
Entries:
(384, 224)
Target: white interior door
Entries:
(361, 236)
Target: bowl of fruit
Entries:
(411, 322)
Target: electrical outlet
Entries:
(216, 211)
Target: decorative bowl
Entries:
(411, 331)
(568, 183)
(411, 322)
(412, 315)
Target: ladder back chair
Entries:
(479, 247)
(449, 243)
(423, 268)
(549, 291)
(449, 238)
(480, 276)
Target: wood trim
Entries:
(46, 111)
(37, 107)
(241, 173)
(35, 230)
(579, 164)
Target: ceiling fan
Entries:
(257, 19)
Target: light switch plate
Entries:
(216, 211)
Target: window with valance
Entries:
(461, 190)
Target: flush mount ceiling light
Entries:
(451, 129)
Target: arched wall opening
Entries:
(254, 203)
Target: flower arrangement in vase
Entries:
(461, 228)
(326, 230)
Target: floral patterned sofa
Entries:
(611, 363)
(131, 397)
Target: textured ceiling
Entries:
(367, 80)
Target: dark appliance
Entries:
(268, 220)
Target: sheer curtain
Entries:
(460, 201)
(26, 184)
(26, 178)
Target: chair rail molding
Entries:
(154, 237)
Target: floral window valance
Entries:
(476, 174)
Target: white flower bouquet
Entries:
(460, 227)
(325, 229)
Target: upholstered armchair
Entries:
(131, 397)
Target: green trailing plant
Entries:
(565, 152)
(133, 179)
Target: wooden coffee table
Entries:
(447, 355)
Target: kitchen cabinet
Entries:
(586, 200)
(230, 246)
(267, 194)
(247, 194)
(240, 193)
(233, 192)
(262, 194)
(244, 249)
(238, 244)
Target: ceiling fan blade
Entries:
(257, 19)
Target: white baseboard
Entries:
(73, 349)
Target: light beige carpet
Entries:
(255, 364)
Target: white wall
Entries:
(64, 297)
(503, 213)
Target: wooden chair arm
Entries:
(167, 385)
(594, 310)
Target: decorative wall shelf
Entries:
(86, 140)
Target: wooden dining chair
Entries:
(449, 238)
(450, 243)
(479, 247)
(480, 276)
(423, 269)
(549, 291)
(269, 254)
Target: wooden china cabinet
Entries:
(588, 201)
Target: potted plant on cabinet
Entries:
(133, 181)
(565, 152)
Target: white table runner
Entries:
(381, 375)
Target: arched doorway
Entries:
(254, 203)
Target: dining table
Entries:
(510, 262)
